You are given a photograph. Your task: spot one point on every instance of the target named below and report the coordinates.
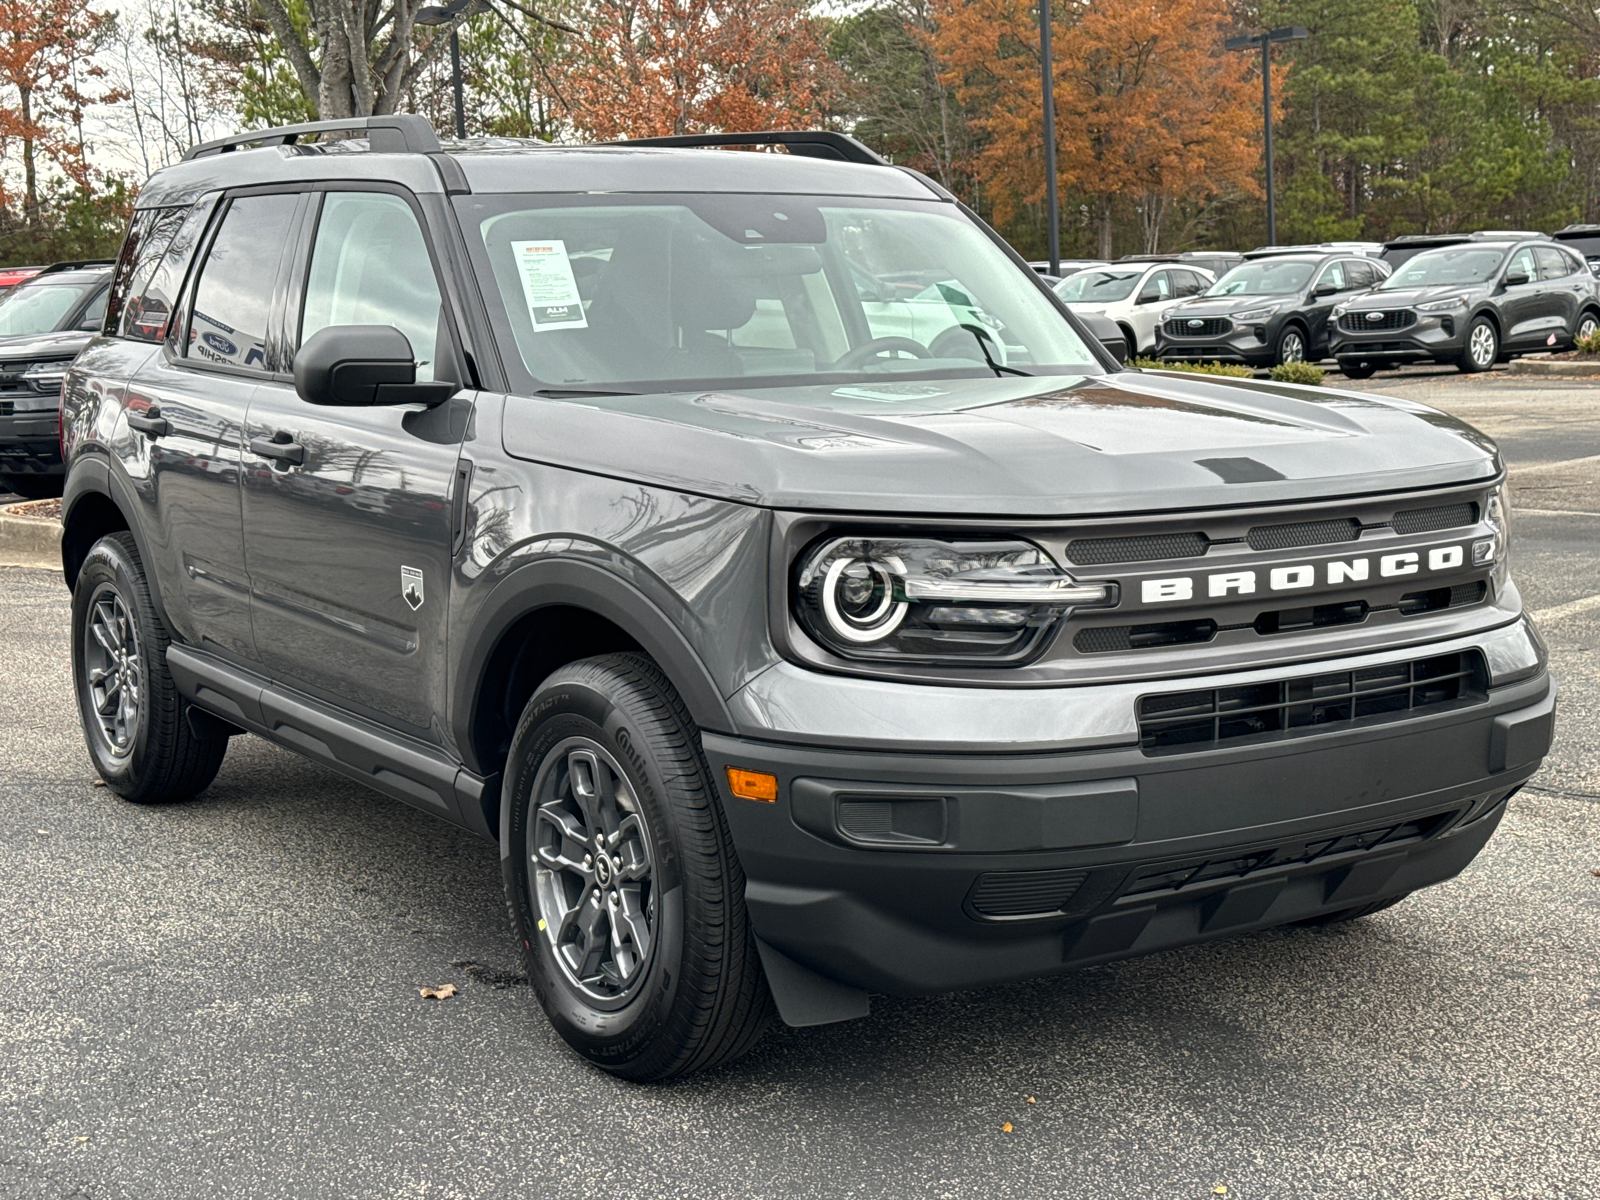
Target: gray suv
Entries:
(753, 548)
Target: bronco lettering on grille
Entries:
(1219, 585)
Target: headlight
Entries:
(1445, 305)
(925, 600)
(46, 378)
(1496, 548)
(1339, 310)
(1257, 314)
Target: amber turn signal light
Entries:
(753, 785)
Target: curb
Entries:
(29, 541)
(1545, 366)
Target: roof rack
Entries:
(808, 143)
(76, 265)
(396, 134)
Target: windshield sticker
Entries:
(891, 393)
(548, 286)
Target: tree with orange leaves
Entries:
(648, 68)
(1147, 102)
(45, 52)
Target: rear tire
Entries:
(135, 722)
(624, 889)
(1354, 372)
(1588, 326)
(1481, 349)
(1353, 914)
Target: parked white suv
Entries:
(1134, 295)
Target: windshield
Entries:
(1091, 287)
(1458, 264)
(663, 293)
(38, 307)
(1267, 277)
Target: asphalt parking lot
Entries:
(219, 999)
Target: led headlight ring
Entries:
(861, 628)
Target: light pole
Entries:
(1250, 41)
(436, 14)
(1049, 83)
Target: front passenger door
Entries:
(1319, 304)
(347, 515)
(1155, 297)
(1521, 303)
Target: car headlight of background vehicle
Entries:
(1257, 314)
(1444, 305)
(931, 600)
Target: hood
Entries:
(1048, 446)
(37, 347)
(1406, 297)
(1222, 306)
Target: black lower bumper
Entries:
(30, 444)
(911, 874)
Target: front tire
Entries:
(1481, 349)
(621, 877)
(1357, 371)
(135, 722)
(1291, 345)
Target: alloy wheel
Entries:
(114, 670)
(593, 876)
(1586, 327)
(1292, 348)
(1482, 347)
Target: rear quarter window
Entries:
(149, 234)
(148, 315)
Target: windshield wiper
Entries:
(977, 336)
(569, 393)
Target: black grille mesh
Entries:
(1106, 638)
(1209, 327)
(1306, 533)
(1025, 893)
(1425, 520)
(1308, 704)
(1361, 322)
(1094, 551)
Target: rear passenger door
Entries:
(185, 412)
(1565, 290)
(347, 515)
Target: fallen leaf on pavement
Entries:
(1596, 874)
(97, 783)
(1220, 1190)
(1006, 1128)
(1031, 1100)
(438, 993)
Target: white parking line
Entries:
(1550, 466)
(1554, 512)
(1570, 609)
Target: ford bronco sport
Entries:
(758, 551)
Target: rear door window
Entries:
(233, 300)
(1552, 263)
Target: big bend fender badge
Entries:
(411, 586)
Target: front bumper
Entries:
(1432, 338)
(914, 872)
(30, 443)
(1253, 345)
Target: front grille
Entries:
(1171, 877)
(5, 408)
(1095, 551)
(1209, 327)
(1307, 533)
(1106, 638)
(1025, 893)
(11, 379)
(1426, 520)
(1308, 704)
(1434, 599)
(1356, 322)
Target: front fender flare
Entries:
(580, 585)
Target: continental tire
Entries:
(1482, 347)
(134, 720)
(624, 890)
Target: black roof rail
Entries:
(400, 133)
(808, 143)
(77, 265)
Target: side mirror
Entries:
(359, 365)
(1109, 334)
(1148, 297)
(1325, 289)
(1515, 279)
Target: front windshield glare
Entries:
(662, 293)
(1098, 287)
(1462, 264)
(1265, 278)
(36, 309)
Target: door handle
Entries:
(279, 446)
(150, 421)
